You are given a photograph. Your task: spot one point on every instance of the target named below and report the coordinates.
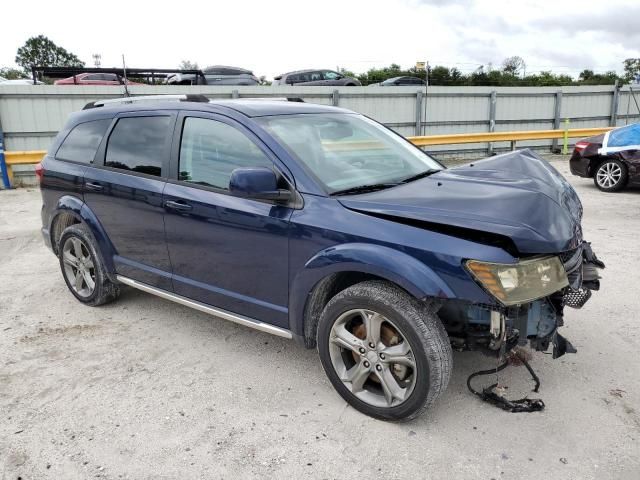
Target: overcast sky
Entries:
(273, 36)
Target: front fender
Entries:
(392, 265)
(74, 206)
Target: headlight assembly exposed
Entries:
(520, 282)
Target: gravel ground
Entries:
(144, 388)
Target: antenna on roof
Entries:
(124, 71)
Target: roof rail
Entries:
(273, 99)
(147, 98)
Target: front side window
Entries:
(211, 150)
(347, 151)
(137, 144)
(82, 142)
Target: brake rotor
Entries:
(389, 337)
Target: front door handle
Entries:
(96, 187)
(181, 206)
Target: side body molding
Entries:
(393, 265)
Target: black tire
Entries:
(611, 175)
(416, 323)
(104, 290)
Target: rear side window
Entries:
(83, 141)
(137, 144)
(211, 150)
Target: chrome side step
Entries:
(218, 312)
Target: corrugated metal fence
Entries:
(30, 116)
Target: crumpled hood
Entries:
(518, 195)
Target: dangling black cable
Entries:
(516, 406)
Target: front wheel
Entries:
(387, 354)
(611, 176)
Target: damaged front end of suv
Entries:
(532, 293)
(521, 204)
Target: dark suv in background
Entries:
(402, 82)
(316, 223)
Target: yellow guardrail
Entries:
(504, 136)
(22, 158)
(34, 156)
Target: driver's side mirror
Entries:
(258, 183)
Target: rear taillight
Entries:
(39, 172)
(580, 146)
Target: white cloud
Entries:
(276, 36)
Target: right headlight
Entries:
(520, 282)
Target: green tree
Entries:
(588, 77)
(42, 52)
(631, 68)
(346, 73)
(11, 73)
(513, 65)
(509, 75)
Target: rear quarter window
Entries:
(82, 142)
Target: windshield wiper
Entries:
(382, 186)
(364, 188)
(424, 174)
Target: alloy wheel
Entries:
(608, 175)
(372, 358)
(79, 268)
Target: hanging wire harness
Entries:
(494, 393)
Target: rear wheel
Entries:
(386, 353)
(611, 176)
(82, 269)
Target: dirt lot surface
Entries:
(144, 388)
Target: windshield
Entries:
(345, 152)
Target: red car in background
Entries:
(95, 79)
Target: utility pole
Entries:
(426, 73)
(426, 90)
(97, 59)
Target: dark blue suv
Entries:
(315, 223)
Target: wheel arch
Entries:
(595, 162)
(70, 211)
(336, 268)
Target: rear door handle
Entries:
(96, 187)
(181, 206)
